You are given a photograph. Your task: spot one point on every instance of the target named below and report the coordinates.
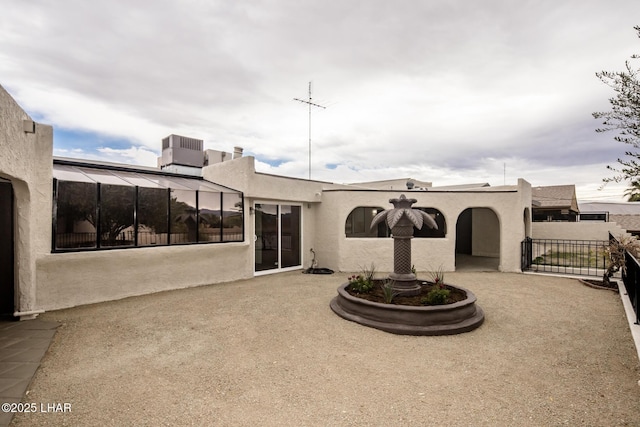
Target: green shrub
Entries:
(364, 282)
(360, 284)
(387, 291)
(436, 296)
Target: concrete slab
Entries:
(22, 346)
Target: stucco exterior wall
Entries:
(507, 226)
(78, 278)
(585, 230)
(71, 279)
(26, 160)
(240, 174)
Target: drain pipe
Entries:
(28, 315)
(314, 263)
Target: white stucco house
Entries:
(78, 232)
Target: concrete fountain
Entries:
(446, 319)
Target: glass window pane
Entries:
(358, 223)
(198, 184)
(290, 235)
(153, 216)
(425, 231)
(232, 217)
(358, 220)
(210, 186)
(183, 216)
(69, 173)
(267, 234)
(116, 215)
(103, 176)
(209, 217)
(166, 181)
(76, 206)
(140, 180)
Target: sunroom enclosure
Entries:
(104, 208)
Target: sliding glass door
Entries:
(278, 237)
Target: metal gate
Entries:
(581, 257)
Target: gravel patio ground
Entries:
(270, 352)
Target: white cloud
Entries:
(132, 155)
(432, 90)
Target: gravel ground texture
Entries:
(270, 352)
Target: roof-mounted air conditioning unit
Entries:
(181, 150)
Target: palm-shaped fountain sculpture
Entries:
(401, 220)
(452, 318)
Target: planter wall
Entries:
(448, 319)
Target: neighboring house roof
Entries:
(391, 184)
(401, 184)
(614, 208)
(462, 186)
(555, 196)
(628, 222)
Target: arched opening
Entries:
(358, 223)
(477, 240)
(7, 279)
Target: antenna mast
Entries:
(310, 105)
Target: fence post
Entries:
(526, 249)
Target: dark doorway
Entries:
(6, 248)
(463, 232)
(477, 240)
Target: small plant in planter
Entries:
(436, 296)
(437, 276)
(388, 293)
(363, 283)
(359, 284)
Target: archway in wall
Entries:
(6, 249)
(477, 240)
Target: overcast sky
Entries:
(444, 91)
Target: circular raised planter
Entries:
(447, 319)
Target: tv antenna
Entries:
(311, 104)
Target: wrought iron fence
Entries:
(582, 257)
